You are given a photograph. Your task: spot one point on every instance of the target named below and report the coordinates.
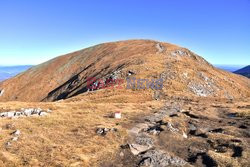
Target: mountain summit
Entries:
(182, 71)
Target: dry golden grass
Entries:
(67, 137)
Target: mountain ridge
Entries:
(245, 71)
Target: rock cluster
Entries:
(25, 113)
(143, 144)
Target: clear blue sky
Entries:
(33, 31)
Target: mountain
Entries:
(174, 108)
(184, 72)
(244, 71)
(7, 72)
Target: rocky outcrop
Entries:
(24, 113)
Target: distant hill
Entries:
(229, 68)
(7, 72)
(244, 71)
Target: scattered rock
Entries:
(201, 89)
(104, 131)
(25, 112)
(180, 53)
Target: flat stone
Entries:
(138, 128)
(136, 149)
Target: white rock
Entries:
(184, 135)
(17, 132)
(10, 114)
(28, 112)
(43, 113)
(18, 114)
(15, 138)
(4, 114)
(118, 115)
(49, 111)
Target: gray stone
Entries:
(158, 158)
(143, 139)
(192, 127)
